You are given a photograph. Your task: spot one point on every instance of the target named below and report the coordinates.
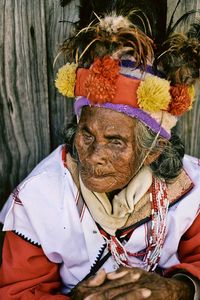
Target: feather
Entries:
(194, 31)
(112, 28)
(180, 57)
(146, 14)
(183, 18)
(171, 21)
(172, 27)
(91, 28)
(114, 36)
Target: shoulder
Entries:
(51, 164)
(192, 167)
(186, 189)
(46, 183)
(41, 200)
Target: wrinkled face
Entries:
(106, 149)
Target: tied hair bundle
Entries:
(179, 59)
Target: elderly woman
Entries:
(114, 213)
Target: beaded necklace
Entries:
(150, 257)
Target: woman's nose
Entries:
(98, 154)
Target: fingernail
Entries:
(114, 275)
(89, 297)
(101, 271)
(98, 279)
(145, 293)
(111, 272)
(135, 277)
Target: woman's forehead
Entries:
(96, 113)
(107, 120)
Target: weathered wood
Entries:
(61, 110)
(189, 124)
(23, 88)
(32, 112)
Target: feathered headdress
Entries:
(114, 63)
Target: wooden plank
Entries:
(32, 111)
(189, 124)
(61, 109)
(24, 90)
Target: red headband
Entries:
(126, 88)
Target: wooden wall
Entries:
(31, 111)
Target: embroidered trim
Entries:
(97, 259)
(83, 211)
(180, 187)
(80, 204)
(98, 263)
(15, 196)
(78, 200)
(27, 239)
(64, 156)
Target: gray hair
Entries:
(169, 163)
(167, 166)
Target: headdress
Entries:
(114, 64)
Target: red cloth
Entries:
(189, 251)
(126, 88)
(26, 273)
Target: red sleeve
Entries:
(26, 273)
(189, 250)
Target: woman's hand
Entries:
(129, 284)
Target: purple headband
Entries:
(133, 112)
(127, 63)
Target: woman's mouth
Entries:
(95, 172)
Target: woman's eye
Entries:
(117, 142)
(87, 136)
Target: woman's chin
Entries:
(100, 184)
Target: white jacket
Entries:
(47, 209)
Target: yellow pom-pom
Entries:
(65, 80)
(153, 94)
(191, 92)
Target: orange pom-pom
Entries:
(181, 99)
(100, 85)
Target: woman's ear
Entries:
(155, 153)
(152, 157)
